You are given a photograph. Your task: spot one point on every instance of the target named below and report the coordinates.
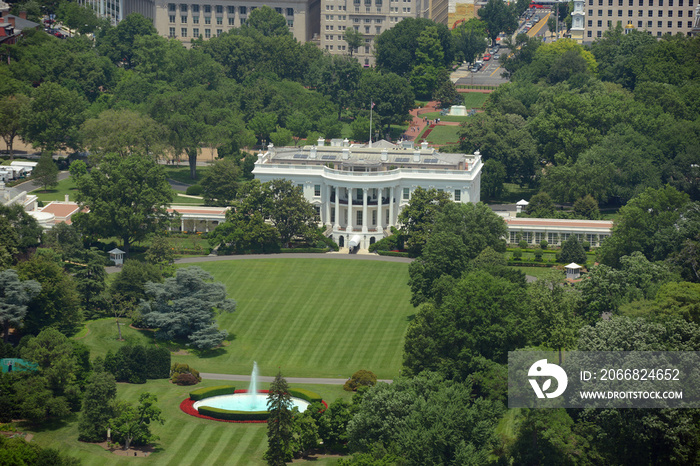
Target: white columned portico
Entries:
(326, 199)
(379, 210)
(364, 210)
(349, 225)
(337, 208)
(391, 207)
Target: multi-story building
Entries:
(656, 17)
(359, 190)
(369, 17)
(190, 19)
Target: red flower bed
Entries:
(187, 406)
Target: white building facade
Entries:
(358, 191)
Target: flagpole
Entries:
(371, 107)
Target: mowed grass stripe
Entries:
(186, 447)
(226, 435)
(243, 453)
(311, 317)
(211, 437)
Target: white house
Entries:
(358, 190)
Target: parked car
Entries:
(496, 56)
(487, 56)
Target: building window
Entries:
(650, 13)
(242, 10)
(592, 239)
(290, 11)
(207, 8)
(231, 21)
(195, 32)
(609, 12)
(406, 194)
(374, 217)
(619, 12)
(207, 20)
(539, 237)
(317, 190)
(680, 24)
(195, 19)
(172, 7)
(359, 217)
(195, 8)
(552, 238)
(219, 9)
(590, 13)
(231, 10)
(600, 23)
(172, 18)
(670, 14)
(219, 20)
(458, 195)
(513, 237)
(183, 32)
(629, 13)
(661, 14)
(183, 8)
(207, 33)
(589, 34)
(172, 32)
(183, 19)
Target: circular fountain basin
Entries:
(244, 402)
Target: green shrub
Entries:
(518, 254)
(183, 369)
(185, 379)
(586, 246)
(544, 244)
(361, 378)
(538, 255)
(208, 392)
(194, 190)
(306, 395)
(393, 253)
(522, 244)
(234, 415)
(307, 250)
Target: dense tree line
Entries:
(603, 121)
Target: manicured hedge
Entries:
(393, 253)
(306, 395)
(233, 415)
(203, 393)
(310, 250)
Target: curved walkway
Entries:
(266, 379)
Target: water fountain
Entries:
(253, 389)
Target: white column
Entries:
(391, 207)
(379, 210)
(337, 208)
(365, 221)
(182, 224)
(326, 199)
(349, 225)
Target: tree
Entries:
(470, 39)
(417, 219)
(91, 283)
(46, 171)
(299, 124)
(263, 124)
(481, 315)
(161, 254)
(354, 39)
(11, 109)
(15, 294)
(24, 231)
(279, 424)
(541, 205)
(492, 179)
(53, 117)
(305, 433)
(80, 18)
(499, 17)
(572, 251)
(333, 425)
(587, 207)
(127, 197)
(641, 224)
(100, 393)
(220, 182)
(117, 43)
(447, 94)
(359, 129)
(133, 424)
(58, 303)
(77, 169)
(289, 211)
(337, 77)
(124, 132)
(427, 73)
(130, 283)
(391, 95)
(281, 137)
(185, 306)
(268, 22)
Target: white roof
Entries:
(573, 265)
(522, 202)
(355, 241)
(116, 251)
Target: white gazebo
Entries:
(573, 271)
(116, 255)
(520, 205)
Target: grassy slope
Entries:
(183, 439)
(312, 317)
(58, 193)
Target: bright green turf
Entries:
(184, 439)
(58, 193)
(475, 99)
(443, 135)
(311, 317)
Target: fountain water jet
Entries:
(253, 388)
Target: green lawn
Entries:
(179, 200)
(311, 317)
(443, 135)
(182, 173)
(184, 439)
(538, 272)
(475, 99)
(58, 193)
(434, 115)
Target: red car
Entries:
(487, 56)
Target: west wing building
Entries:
(358, 190)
